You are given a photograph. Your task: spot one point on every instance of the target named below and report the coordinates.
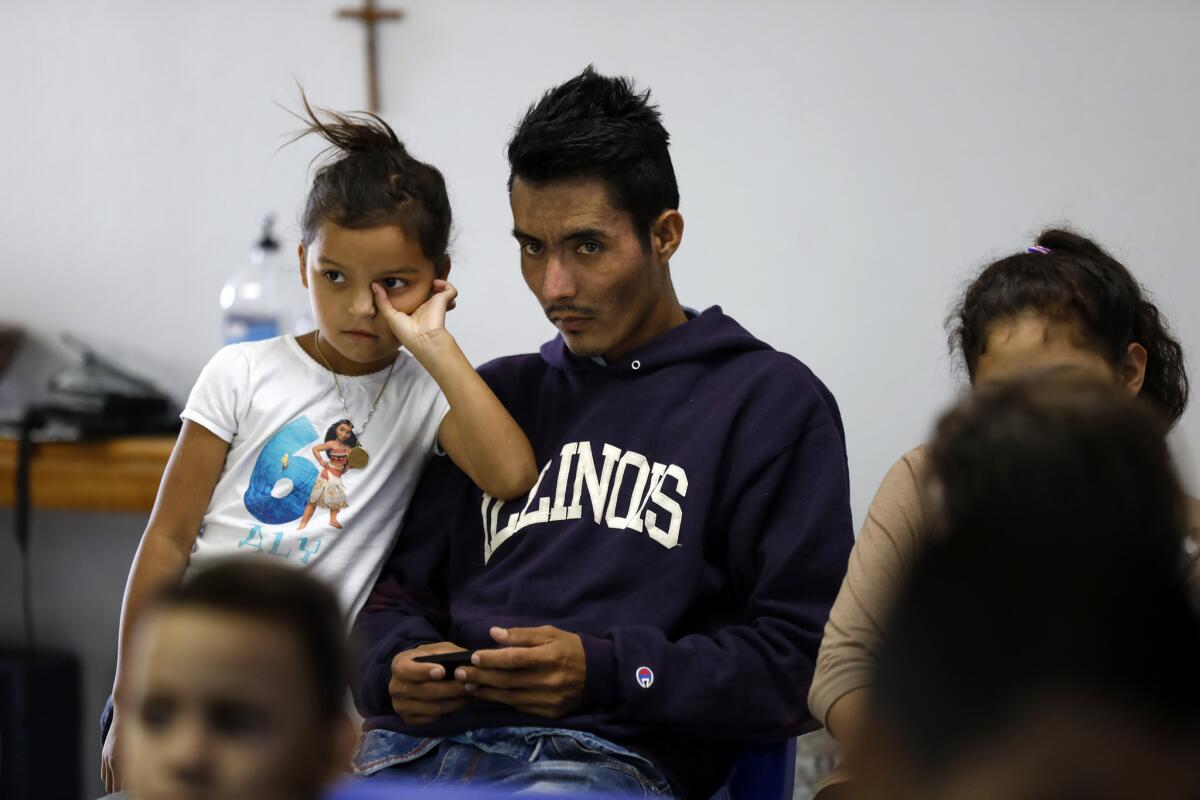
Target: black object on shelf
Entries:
(95, 399)
(102, 399)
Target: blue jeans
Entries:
(106, 719)
(520, 759)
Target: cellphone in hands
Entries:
(450, 661)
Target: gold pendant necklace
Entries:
(357, 457)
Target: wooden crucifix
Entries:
(369, 16)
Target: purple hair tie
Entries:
(1037, 248)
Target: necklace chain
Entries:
(338, 385)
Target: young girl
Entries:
(373, 257)
(1064, 301)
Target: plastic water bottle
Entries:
(252, 301)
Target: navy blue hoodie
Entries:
(691, 523)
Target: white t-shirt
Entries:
(273, 404)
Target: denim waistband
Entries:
(381, 748)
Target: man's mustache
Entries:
(567, 309)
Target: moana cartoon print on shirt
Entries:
(329, 492)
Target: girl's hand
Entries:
(109, 757)
(424, 327)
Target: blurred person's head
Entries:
(237, 690)
(595, 212)
(1044, 645)
(1068, 302)
(1058, 449)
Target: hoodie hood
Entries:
(706, 335)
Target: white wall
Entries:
(844, 167)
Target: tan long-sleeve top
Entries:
(897, 522)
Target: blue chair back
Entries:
(762, 772)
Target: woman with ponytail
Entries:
(373, 257)
(1064, 302)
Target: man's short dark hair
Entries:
(595, 126)
(306, 609)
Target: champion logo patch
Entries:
(645, 677)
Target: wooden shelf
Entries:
(120, 474)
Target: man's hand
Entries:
(537, 671)
(419, 693)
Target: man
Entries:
(656, 602)
(237, 687)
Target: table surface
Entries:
(118, 474)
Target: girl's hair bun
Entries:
(369, 179)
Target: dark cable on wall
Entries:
(31, 420)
